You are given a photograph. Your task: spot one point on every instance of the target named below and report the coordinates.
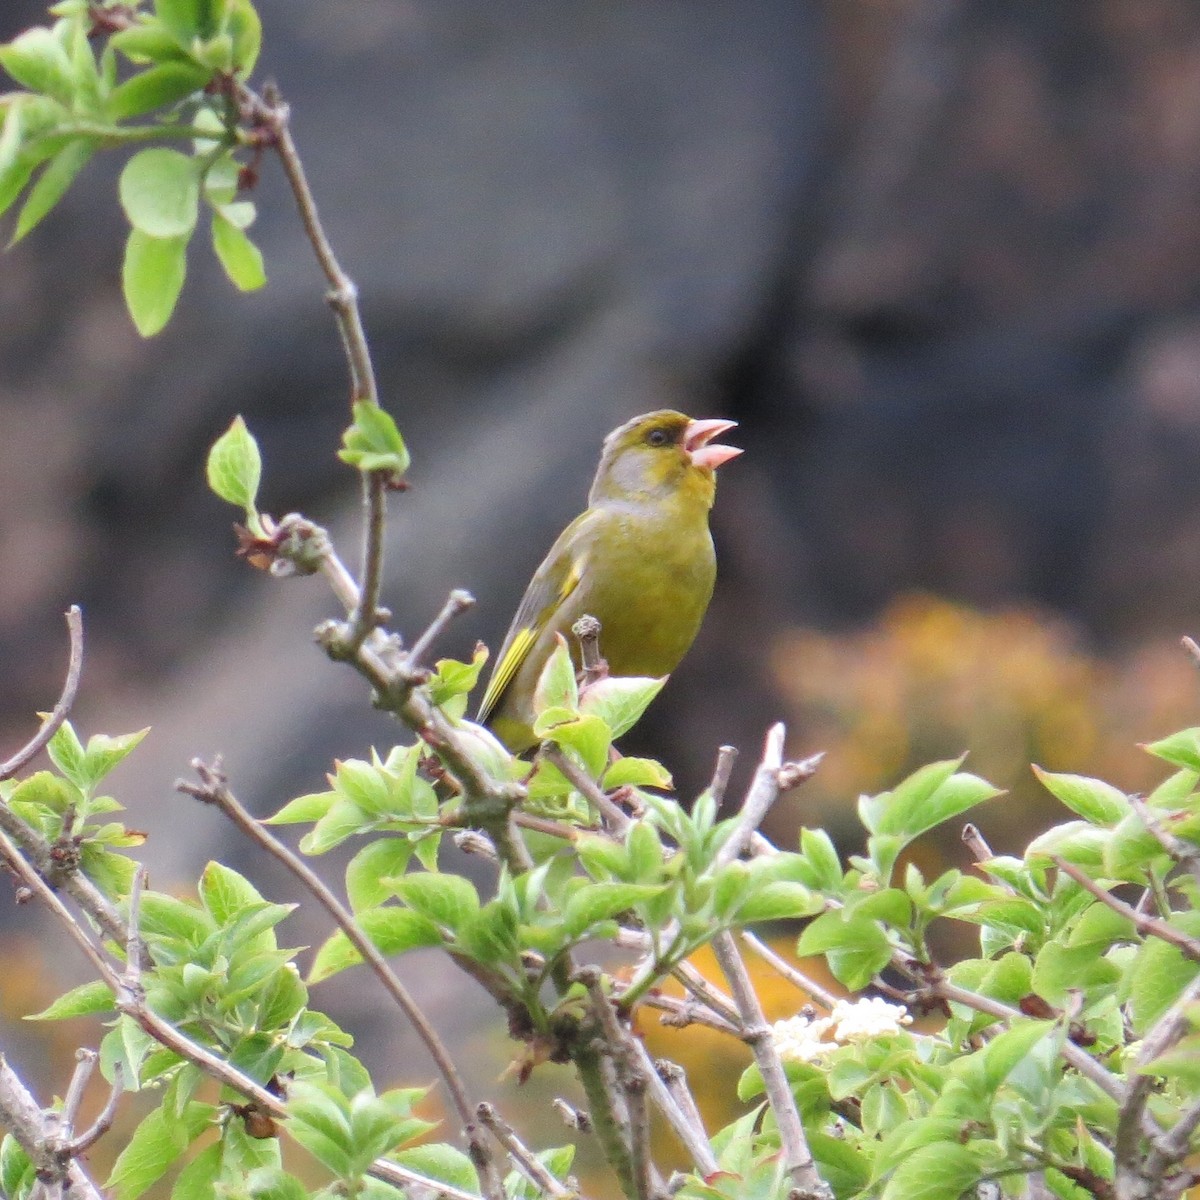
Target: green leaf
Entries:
(37, 60)
(319, 1119)
(103, 753)
(1093, 799)
(939, 1171)
(1181, 749)
(88, 998)
(154, 88)
(441, 1162)
(240, 257)
(915, 806)
(454, 680)
(303, 809)
(373, 443)
(154, 1146)
(637, 772)
(52, 185)
(587, 735)
(17, 1174)
(152, 278)
(601, 901)
(393, 930)
(1078, 842)
(1159, 974)
(197, 1181)
(620, 702)
(818, 850)
(234, 471)
(366, 871)
(226, 894)
(777, 901)
(448, 900)
(67, 754)
(857, 950)
(148, 42)
(160, 192)
(245, 28)
(556, 686)
(189, 20)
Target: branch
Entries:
(522, 1157)
(810, 987)
(772, 777)
(669, 1091)
(212, 789)
(457, 603)
(66, 700)
(798, 1159)
(1182, 852)
(33, 1129)
(726, 757)
(587, 630)
(583, 783)
(1188, 946)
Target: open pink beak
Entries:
(698, 442)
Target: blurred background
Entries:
(939, 258)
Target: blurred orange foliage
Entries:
(931, 679)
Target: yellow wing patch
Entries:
(520, 641)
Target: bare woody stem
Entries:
(1188, 946)
(798, 1159)
(62, 708)
(270, 113)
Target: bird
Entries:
(639, 559)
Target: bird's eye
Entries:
(658, 437)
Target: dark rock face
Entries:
(940, 259)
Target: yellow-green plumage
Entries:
(639, 559)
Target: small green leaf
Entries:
(556, 686)
(189, 20)
(157, 87)
(365, 873)
(240, 257)
(303, 809)
(637, 772)
(160, 192)
(441, 1162)
(939, 1171)
(52, 185)
(104, 752)
(620, 702)
(88, 998)
(1180, 749)
(448, 900)
(245, 28)
(373, 443)
(152, 278)
(1093, 799)
(154, 1146)
(37, 60)
(600, 901)
(197, 1181)
(235, 468)
(857, 950)
(777, 901)
(393, 930)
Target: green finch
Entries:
(639, 559)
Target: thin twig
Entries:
(521, 1156)
(66, 700)
(595, 668)
(825, 998)
(457, 603)
(1189, 644)
(589, 789)
(798, 1159)
(1075, 1055)
(1188, 946)
(682, 1013)
(669, 1091)
(103, 1122)
(1182, 852)
(772, 777)
(726, 757)
(24, 1118)
(214, 790)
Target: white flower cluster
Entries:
(802, 1039)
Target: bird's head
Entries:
(661, 454)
